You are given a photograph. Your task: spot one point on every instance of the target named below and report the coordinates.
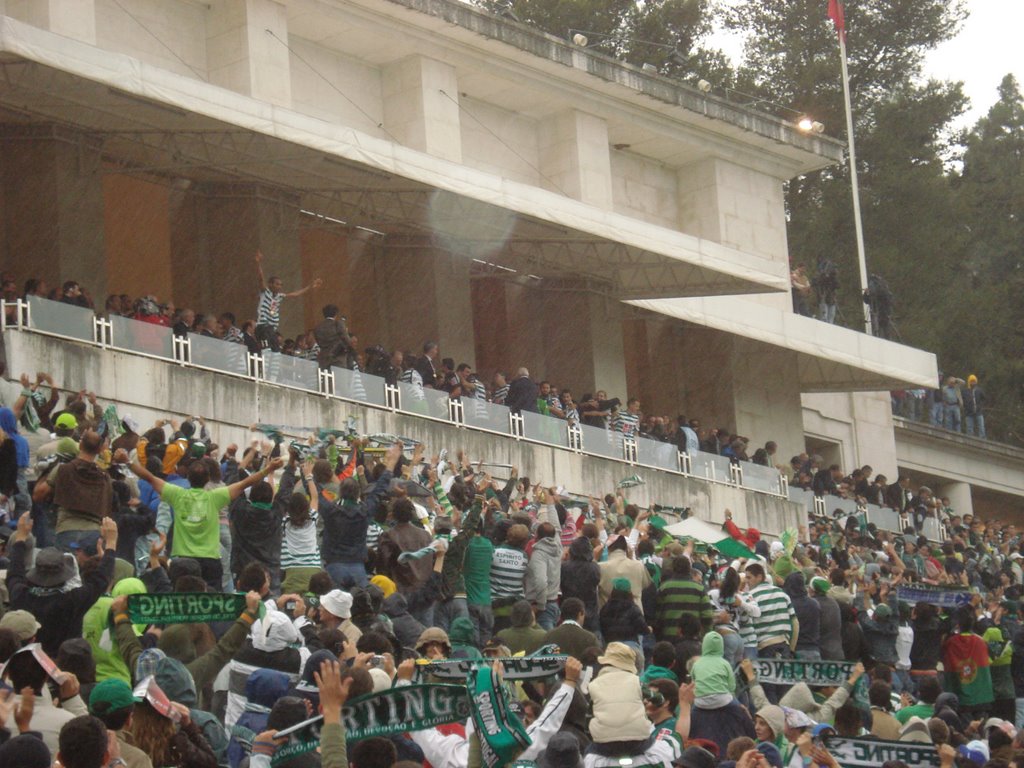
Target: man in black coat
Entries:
(333, 339)
(39, 590)
(522, 393)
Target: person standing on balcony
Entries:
(952, 403)
(628, 422)
(334, 341)
(974, 406)
(268, 311)
(427, 365)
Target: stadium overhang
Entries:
(830, 358)
(148, 119)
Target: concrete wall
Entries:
(149, 389)
(644, 189)
(861, 422)
(335, 88)
(499, 141)
(170, 34)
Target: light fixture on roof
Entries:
(703, 86)
(580, 40)
(807, 125)
(650, 68)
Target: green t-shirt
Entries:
(196, 519)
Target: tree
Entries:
(663, 33)
(984, 331)
(792, 58)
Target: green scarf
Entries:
(502, 735)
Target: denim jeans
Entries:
(483, 619)
(809, 655)
(951, 417)
(447, 612)
(348, 575)
(733, 652)
(1019, 723)
(935, 415)
(976, 426)
(547, 618)
(84, 540)
(827, 312)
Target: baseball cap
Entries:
(22, 623)
(111, 695)
(66, 420)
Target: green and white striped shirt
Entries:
(774, 625)
(508, 569)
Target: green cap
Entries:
(622, 584)
(109, 696)
(821, 585)
(883, 611)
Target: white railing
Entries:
(270, 368)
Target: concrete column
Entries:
(243, 55)
(71, 18)
(575, 159)
(421, 106)
(583, 346)
(427, 297)
(739, 207)
(215, 233)
(959, 497)
(53, 209)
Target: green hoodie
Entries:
(98, 631)
(1000, 651)
(711, 672)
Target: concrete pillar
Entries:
(215, 233)
(54, 208)
(739, 207)
(959, 495)
(71, 18)
(427, 297)
(421, 106)
(575, 159)
(583, 344)
(742, 385)
(245, 49)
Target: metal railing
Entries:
(196, 351)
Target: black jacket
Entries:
(522, 395)
(345, 524)
(59, 613)
(335, 344)
(622, 621)
(581, 575)
(808, 612)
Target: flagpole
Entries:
(861, 258)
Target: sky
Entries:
(987, 48)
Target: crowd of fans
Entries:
(956, 405)
(359, 563)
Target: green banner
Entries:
(814, 673)
(870, 753)
(502, 736)
(184, 608)
(394, 711)
(533, 667)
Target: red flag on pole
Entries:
(835, 12)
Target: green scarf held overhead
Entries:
(502, 735)
(630, 482)
(114, 427)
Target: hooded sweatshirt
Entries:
(1000, 651)
(580, 577)
(262, 689)
(174, 680)
(544, 571)
(462, 635)
(406, 627)
(711, 672)
(99, 632)
(808, 612)
(10, 426)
